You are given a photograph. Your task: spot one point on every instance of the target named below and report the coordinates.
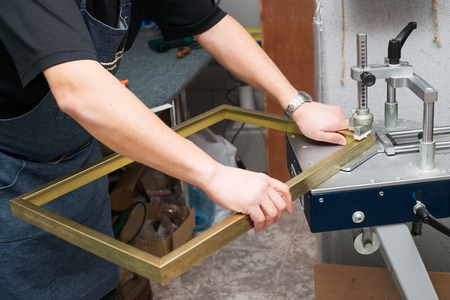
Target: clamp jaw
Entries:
(396, 74)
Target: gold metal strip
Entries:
(312, 177)
(164, 269)
(74, 180)
(97, 243)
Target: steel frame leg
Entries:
(403, 260)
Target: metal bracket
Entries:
(162, 270)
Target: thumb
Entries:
(334, 138)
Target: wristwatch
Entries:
(296, 102)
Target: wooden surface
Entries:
(287, 37)
(341, 282)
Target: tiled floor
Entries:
(277, 264)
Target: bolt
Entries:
(321, 200)
(381, 193)
(358, 217)
(368, 246)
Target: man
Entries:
(58, 95)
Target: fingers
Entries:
(321, 122)
(258, 218)
(272, 208)
(334, 138)
(261, 197)
(285, 194)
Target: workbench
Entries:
(158, 78)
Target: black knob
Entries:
(395, 45)
(368, 78)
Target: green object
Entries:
(120, 222)
(163, 45)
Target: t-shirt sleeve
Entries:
(181, 18)
(41, 34)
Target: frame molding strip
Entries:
(162, 270)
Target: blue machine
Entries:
(381, 189)
(408, 158)
(404, 177)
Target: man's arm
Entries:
(116, 117)
(237, 51)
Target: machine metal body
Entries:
(379, 185)
(397, 74)
(378, 190)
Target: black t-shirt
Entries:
(35, 35)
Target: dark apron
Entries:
(36, 148)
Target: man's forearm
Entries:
(236, 50)
(112, 114)
(231, 45)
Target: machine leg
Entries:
(403, 260)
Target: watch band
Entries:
(296, 102)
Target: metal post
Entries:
(403, 260)
(427, 144)
(391, 108)
(361, 62)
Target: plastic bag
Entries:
(222, 151)
(215, 146)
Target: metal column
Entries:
(403, 260)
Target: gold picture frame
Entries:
(162, 270)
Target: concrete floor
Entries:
(276, 264)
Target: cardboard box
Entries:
(336, 282)
(123, 193)
(159, 247)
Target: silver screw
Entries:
(381, 193)
(358, 217)
(321, 200)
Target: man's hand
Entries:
(320, 122)
(231, 45)
(261, 197)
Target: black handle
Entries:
(395, 45)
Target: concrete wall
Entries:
(383, 20)
(246, 12)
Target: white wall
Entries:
(245, 12)
(383, 20)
